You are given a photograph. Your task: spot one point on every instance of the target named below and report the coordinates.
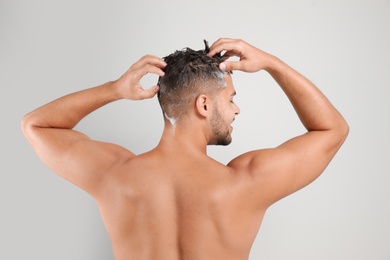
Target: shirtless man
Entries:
(175, 202)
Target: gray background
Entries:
(51, 48)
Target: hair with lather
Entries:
(188, 74)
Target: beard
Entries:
(220, 130)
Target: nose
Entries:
(237, 110)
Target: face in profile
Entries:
(221, 130)
(223, 114)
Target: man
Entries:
(175, 202)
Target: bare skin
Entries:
(175, 202)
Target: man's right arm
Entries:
(294, 164)
(71, 154)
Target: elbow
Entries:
(27, 126)
(24, 124)
(343, 131)
(337, 137)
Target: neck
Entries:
(183, 136)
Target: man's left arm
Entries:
(294, 164)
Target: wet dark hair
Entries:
(188, 74)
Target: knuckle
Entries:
(142, 58)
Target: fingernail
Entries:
(222, 66)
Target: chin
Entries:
(222, 142)
(223, 138)
(226, 143)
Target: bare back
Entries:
(175, 202)
(168, 207)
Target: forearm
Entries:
(67, 111)
(313, 108)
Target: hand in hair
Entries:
(129, 86)
(251, 59)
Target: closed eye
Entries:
(232, 95)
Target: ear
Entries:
(203, 105)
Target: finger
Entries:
(221, 45)
(230, 54)
(221, 40)
(230, 65)
(229, 47)
(148, 68)
(149, 59)
(149, 93)
(152, 68)
(156, 61)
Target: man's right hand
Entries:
(251, 58)
(71, 154)
(129, 86)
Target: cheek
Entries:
(233, 108)
(228, 114)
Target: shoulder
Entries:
(253, 161)
(91, 164)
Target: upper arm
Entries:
(280, 171)
(75, 157)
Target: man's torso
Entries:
(157, 206)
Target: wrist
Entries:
(116, 89)
(274, 65)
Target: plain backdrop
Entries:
(51, 48)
